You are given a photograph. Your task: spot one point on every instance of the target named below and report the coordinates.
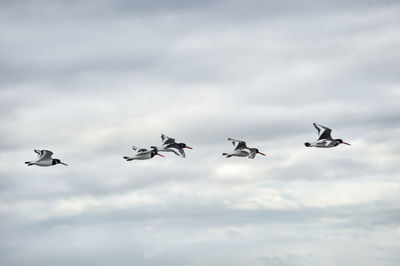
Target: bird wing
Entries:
(167, 140)
(238, 144)
(252, 153)
(175, 148)
(142, 151)
(45, 154)
(138, 150)
(172, 150)
(182, 152)
(323, 132)
(39, 152)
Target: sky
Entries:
(89, 79)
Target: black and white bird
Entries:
(241, 150)
(324, 138)
(169, 145)
(44, 159)
(143, 154)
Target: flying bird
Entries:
(324, 138)
(241, 150)
(143, 154)
(44, 159)
(169, 145)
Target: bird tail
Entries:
(29, 163)
(226, 154)
(128, 158)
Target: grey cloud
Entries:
(88, 80)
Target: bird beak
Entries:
(261, 153)
(160, 155)
(346, 143)
(189, 147)
(63, 163)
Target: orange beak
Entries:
(346, 143)
(160, 155)
(189, 147)
(261, 153)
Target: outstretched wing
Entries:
(238, 144)
(39, 152)
(44, 154)
(167, 140)
(323, 132)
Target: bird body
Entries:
(143, 154)
(325, 143)
(237, 153)
(324, 138)
(169, 145)
(44, 159)
(241, 150)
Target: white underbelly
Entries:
(44, 163)
(143, 157)
(323, 144)
(240, 153)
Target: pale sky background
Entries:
(88, 79)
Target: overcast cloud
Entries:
(88, 79)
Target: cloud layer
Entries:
(88, 80)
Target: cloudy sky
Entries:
(88, 79)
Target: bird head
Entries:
(154, 151)
(58, 161)
(183, 145)
(342, 142)
(257, 151)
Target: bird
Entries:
(324, 138)
(169, 145)
(44, 159)
(143, 154)
(241, 150)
